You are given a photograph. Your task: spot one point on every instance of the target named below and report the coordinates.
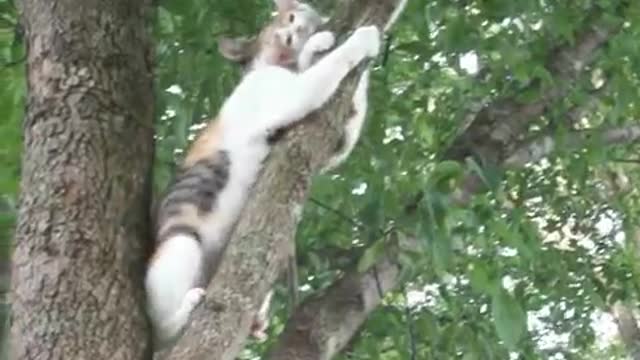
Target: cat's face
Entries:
(280, 41)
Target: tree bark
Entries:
(83, 211)
(323, 325)
(264, 235)
(628, 328)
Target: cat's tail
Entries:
(171, 276)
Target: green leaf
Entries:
(371, 255)
(442, 253)
(444, 172)
(165, 20)
(509, 318)
(489, 176)
(481, 280)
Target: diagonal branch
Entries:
(263, 239)
(323, 325)
(545, 145)
(496, 129)
(498, 125)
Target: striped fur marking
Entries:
(193, 195)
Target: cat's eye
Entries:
(292, 18)
(288, 40)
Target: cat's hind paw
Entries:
(193, 298)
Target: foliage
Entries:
(520, 271)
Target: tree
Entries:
(473, 221)
(85, 181)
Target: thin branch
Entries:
(628, 161)
(339, 213)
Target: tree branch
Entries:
(496, 128)
(545, 145)
(500, 123)
(263, 239)
(628, 328)
(321, 326)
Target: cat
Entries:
(306, 20)
(306, 56)
(301, 56)
(197, 213)
(310, 19)
(292, 26)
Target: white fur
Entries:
(320, 42)
(267, 98)
(271, 97)
(169, 284)
(317, 43)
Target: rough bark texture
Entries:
(88, 149)
(323, 325)
(264, 236)
(628, 328)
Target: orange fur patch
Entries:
(205, 145)
(156, 253)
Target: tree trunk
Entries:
(83, 212)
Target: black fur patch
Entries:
(180, 229)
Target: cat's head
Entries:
(280, 41)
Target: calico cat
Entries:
(301, 58)
(196, 215)
(292, 26)
(317, 44)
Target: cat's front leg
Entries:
(317, 43)
(354, 124)
(311, 89)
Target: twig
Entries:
(339, 213)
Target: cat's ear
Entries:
(240, 49)
(285, 5)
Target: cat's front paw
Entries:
(321, 41)
(368, 38)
